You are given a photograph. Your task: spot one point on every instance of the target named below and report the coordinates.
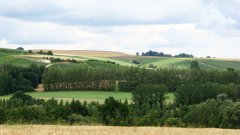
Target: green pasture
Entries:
(10, 58)
(183, 63)
(89, 96)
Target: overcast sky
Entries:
(200, 27)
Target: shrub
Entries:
(151, 118)
(113, 112)
(172, 122)
(2, 115)
(21, 96)
(136, 62)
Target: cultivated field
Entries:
(9, 58)
(219, 64)
(89, 96)
(88, 53)
(104, 130)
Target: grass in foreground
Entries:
(104, 130)
(89, 96)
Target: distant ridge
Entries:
(91, 53)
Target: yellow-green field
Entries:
(89, 96)
(9, 58)
(12, 57)
(87, 53)
(108, 130)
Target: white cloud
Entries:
(200, 27)
(23, 32)
(104, 12)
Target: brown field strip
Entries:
(88, 53)
(104, 130)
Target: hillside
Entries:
(8, 56)
(90, 53)
(15, 57)
(166, 62)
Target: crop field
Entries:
(9, 58)
(78, 58)
(88, 53)
(108, 130)
(219, 63)
(170, 62)
(89, 96)
(183, 63)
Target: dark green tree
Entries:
(113, 112)
(149, 94)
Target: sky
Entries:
(198, 27)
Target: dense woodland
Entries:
(13, 78)
(104, 77)
(212, 95)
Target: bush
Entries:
(150, 119)
(21, 96)
(27, 115)
(2, 115)
(136, 62)
(174, 122)
(113, 112)
(152, 66)
(79, 119)
(78, 108)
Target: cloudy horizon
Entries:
(198, 27)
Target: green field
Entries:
(11, 58)
(8, 56)
(183, 63)
(89, 96)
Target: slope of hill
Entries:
(14, 59)
(90, 53)
(166, 62)
(9, 56)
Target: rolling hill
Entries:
(89, 53)
(15, 57)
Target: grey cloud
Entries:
(102, 13)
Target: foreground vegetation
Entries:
(145, 111)
(103, 130)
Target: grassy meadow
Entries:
(89, 96)
(183, 63)
(108, 130)
(10, 58)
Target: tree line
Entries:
(52, 59)
(162, 54)
(195, 93)
(96, 77)
(217, 113)
(44, 53)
